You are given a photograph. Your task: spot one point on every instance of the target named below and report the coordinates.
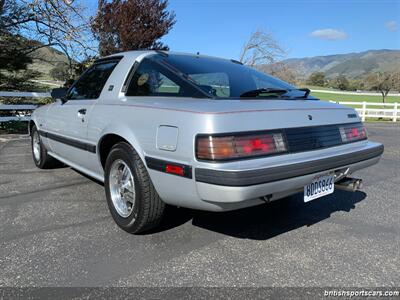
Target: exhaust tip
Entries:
(349, 184)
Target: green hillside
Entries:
(45, 59)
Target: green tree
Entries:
(12, 52)
(383, 82)
(356, 84)
(14, 61)
(317, 78)
(341, 83)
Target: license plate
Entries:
(320, 186)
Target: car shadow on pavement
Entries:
(263, 221)
(268, 220)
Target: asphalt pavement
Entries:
(55, 230)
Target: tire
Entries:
(40, 157)
(143, 208)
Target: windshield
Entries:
(223, 78)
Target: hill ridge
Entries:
(353, 65)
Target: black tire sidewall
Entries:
(126, 153)
(38, 163)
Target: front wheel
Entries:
(131, 197)
(40, 157)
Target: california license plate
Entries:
(320, 186)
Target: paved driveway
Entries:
(55, 230)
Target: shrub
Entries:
(14, 127)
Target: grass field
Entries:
(354, 98)
(316, 87)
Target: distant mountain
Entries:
(45, 59)
(353, 65)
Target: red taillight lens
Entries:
(239, 146)
(353, 132)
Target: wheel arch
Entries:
(30, 126)
(107, 141)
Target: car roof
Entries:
(136, 53)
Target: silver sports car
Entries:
(199, 132)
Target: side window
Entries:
(91, 83)
(151, 79)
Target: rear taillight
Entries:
(352, 132)
(232, 147)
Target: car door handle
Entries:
(81, 112)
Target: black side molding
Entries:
(161, 165)
(254, 177)
(70, 142)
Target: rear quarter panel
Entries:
(137, 120)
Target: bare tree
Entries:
(383, 82)
(261, 48)
(58, 23)
(282, 71)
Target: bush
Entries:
(317, 78)
(341, 83)
(60, 72)
(14, 127)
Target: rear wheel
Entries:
(131, 197)
(40, 157)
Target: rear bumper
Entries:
(229, 186)
(224, 186)
(267, 175)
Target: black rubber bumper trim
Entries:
(254, 177)
(70, 142)
(160, 165)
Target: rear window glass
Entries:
(218, 83)
(154, 80)
(180, 75)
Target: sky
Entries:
(303, 28)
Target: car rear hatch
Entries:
(305, 124)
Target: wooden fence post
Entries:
(395, 112)
(364, 111)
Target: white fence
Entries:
(375, 110)
(24, 94)
(359, 93)
(18, 112)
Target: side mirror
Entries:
(59, 93)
